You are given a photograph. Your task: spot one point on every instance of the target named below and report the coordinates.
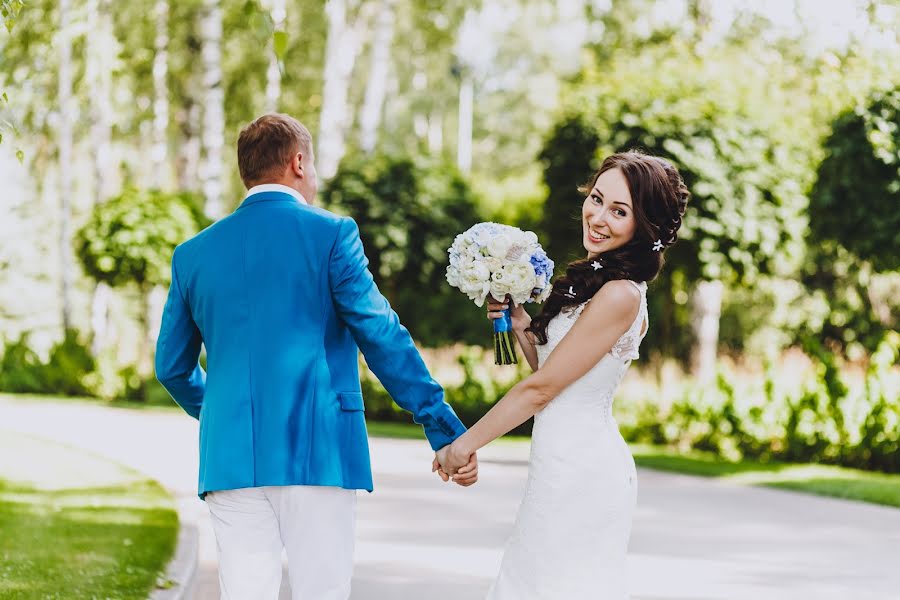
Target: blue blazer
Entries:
(280, 294)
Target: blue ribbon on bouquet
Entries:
(503, 324)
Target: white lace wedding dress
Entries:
(572, 529)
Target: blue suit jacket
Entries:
(280, 294)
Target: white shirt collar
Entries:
(276, 187)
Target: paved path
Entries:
(694, 539)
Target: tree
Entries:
(744, 147)
(159, 151)
(344, 43)
(855, 199)
(67, 111)
(278, 12)
(9, 10)
(408, 213)
(129, 241)
(213, 138)
(568, 157)
(376, 86)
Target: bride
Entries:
(571, 533)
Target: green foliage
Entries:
(855, 198)
(568, 157)
(9, 10)
(131, 238)
(65, 372)
(822, 422)
(471, 398)
(408, 214)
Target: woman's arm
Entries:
(604, 320)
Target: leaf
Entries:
(5, 97)
(21, 156)
(280, 42)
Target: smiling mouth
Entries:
(597, 237)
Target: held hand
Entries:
(456, 463)
(436, 467)
(520, 318)
(468, 473)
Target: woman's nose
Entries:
(598, 217)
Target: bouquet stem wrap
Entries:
(504, 341)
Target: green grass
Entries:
(822, 480)
(76, 526)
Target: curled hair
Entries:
(659, 197)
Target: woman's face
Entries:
(607, 215)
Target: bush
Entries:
(471, 398)
(823, 422)
(68, 365)
(408, 212)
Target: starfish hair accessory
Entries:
(657, 245)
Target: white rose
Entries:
(519, 280)
(499, 245)
(493, 264)
(531, 238)
(453, 276)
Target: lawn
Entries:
(76, 526)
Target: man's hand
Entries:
(453, 462)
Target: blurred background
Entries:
(772, 328)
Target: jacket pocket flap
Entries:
(351, 401)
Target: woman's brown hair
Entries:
(659, 197)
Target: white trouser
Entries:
(316, 525)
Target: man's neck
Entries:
(275, 186)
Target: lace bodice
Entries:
(625, 349)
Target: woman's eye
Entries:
(597, 199)
(621, 213)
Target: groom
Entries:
(280, 294)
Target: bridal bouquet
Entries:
(495, 259)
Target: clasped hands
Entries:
(453, 462)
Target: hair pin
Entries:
(597, 266)
(657, 245)
(571, 292)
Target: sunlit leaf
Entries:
(280, 42)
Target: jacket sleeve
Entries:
(385, 343)
(178, 351)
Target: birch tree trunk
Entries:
(102, 50)
(376, 86)
(340, 55)
(67, 117)
(464, 135)
(436, 132)
(187, 162)
(213, 139)
(707, 308)
(159, 150)
(278, 11)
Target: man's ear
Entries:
(297, 164)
